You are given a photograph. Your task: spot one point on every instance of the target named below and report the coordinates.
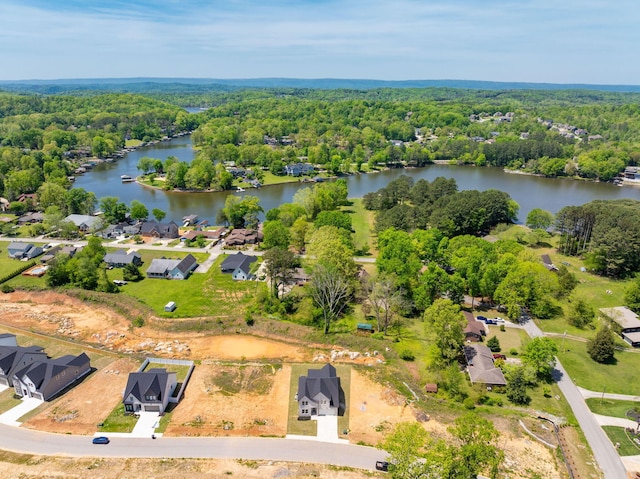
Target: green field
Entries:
(8, 400)
(617, 435)
(118, 421)
(620, 378)
(202, 294)
(610, 407)
(362, 222)
(509, 338)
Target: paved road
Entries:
(270, 449)
(605, 454)
(618, 397)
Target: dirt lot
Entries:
(78, 411)
(221, 396)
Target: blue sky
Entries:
(550, 41)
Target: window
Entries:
(150, 398)
(305, 403)
(305, 411)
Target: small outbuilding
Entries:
(170, 306)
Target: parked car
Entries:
(499, 320)
(491, 321)
(100, 440)
(499, 356)
(481, 318)
(382, 465)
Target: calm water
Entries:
(529, 191)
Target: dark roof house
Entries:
(46, 378)
(239, 265)
(172, 268)
(319, 393)
(474, 330)
(14, 357)
(120, 258)
(159, 230)
(149, 390)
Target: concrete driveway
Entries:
(146, 425)
(10, 418)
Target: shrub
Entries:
(502, 328)
(7, 289)
(513, 352)
(378, 335)
(469, 403)
(407, 355)
(493, 344)
(248, 319)
(137, 322)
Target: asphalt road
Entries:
(250, 448)
(605, 454)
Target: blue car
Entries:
(481, 318)
(101, 440)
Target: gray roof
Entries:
(622, 315)
(187, 263)
(149, 383)
(86, 220)
(480, 365)
(120, 257)
(19, 246)
(40, 373)
(322, 381)
(161, 266)
(239, 260)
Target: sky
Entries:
(548, 41)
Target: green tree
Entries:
(386, 300)
(131, 273)
(80, 202)
(114, 211)
(601, 348)
(539, 219)
(493, 343)
(516, 388)
(477, 450)
(298, 233)
(138, 210)
(445, 325)
(280, 264)
(275, 234)
(330, 291)
(52, 194)
(158, 214)
(58, 271)
(146, 165)
(326, 246)
(540, 353)
(580, 313)
(632, 295)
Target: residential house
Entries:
(31, 198)
(172, 268)
(20, 250)
(14, 358)
(474, 330)
(30, 218)
(160, 230)
(239, 237)
(480, 366)
(7, 339)
(319, 393)
(149, 391)
(627, 322)
(299, 169)
(210, 235)
(239, 265)
(45, 378)
(120, 259)
(113, 231)
(85, 223)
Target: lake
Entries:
(530, 192)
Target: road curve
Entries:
(251, 448)
(605, 454)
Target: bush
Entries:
(137, 322)
(248, 319)
(513, 352)
(407, 355)
(502, 328)
(469, 403)
(7, 289)
(378, 335)
(493, 344)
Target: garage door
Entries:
(152, 408)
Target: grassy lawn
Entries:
(610, 407)
(132, 142)
(181, 371)
(618, 435)
(362, 221)
(270, 179)
(118, 421)
(509, 338)
(208, 294)
(8, 399)
(620, 378)
(309, 428)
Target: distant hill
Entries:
(198, 84)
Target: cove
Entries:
(530, 192)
